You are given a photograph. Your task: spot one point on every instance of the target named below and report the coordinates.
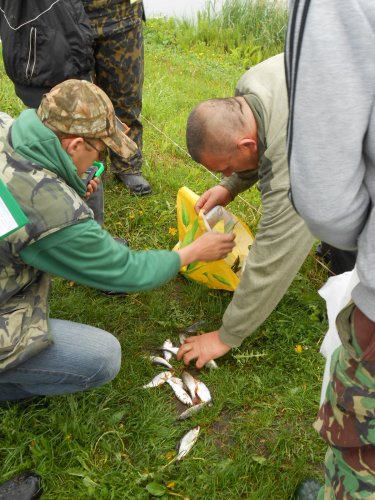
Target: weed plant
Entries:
(248, 30)
(116, 442)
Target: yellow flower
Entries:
(141, 212)
(170, 455)
(298, 348)
(172, 231)
(131, 216)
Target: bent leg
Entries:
(81, 357)
(346, 420)
(349, 473)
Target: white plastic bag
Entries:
(337, 293)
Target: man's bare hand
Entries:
(208, 247)
(218, 195)
(203, 348)
(92, 186)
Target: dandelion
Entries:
(298, 348)
(172, 231)
(141, 212)
(131, 216)
(170, 455)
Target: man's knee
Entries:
(107, 362)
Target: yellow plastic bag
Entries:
(221, 274)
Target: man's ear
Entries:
(71, 144)
(247, 146)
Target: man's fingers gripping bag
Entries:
(222, 274)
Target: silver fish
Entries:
(159, 379)
(157, 360)
(169, 350)
(195, 327)
(187, 442)
(202, 392)
(190, 383)
(196, 388)
(182, 337)
(191, 411)
(166, 353)
(212, 365)
(177, 381)
(180, 393)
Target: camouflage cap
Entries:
(78, 107)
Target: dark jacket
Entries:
(44, 43)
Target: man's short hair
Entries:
(212, 126)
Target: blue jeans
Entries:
(81, 357)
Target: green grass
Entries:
(257, 440)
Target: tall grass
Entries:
(249, 30)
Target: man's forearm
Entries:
(281, 246)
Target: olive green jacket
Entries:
(282, 239)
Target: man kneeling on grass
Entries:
(43, 154)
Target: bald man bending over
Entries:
(244, 138)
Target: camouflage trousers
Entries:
(346, 420)
(119, 68)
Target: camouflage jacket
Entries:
(50, 204)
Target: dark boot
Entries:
(307, 490)
(136, 183)
(25, 486)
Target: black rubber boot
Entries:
(307, 490)
(136, 183)
(25, 486)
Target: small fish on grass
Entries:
(187, 442)
(191, 411)
(194, 327)
(158, 360)
(159, 379)
(180, 393)
(166, 352)
(212, 365)
(196, 388)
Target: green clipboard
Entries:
(12, 217)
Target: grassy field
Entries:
(115, 442)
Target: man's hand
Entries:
(92, 186)
(218, 195)
(208, 247)
(203, 348)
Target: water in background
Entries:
(178, 8)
